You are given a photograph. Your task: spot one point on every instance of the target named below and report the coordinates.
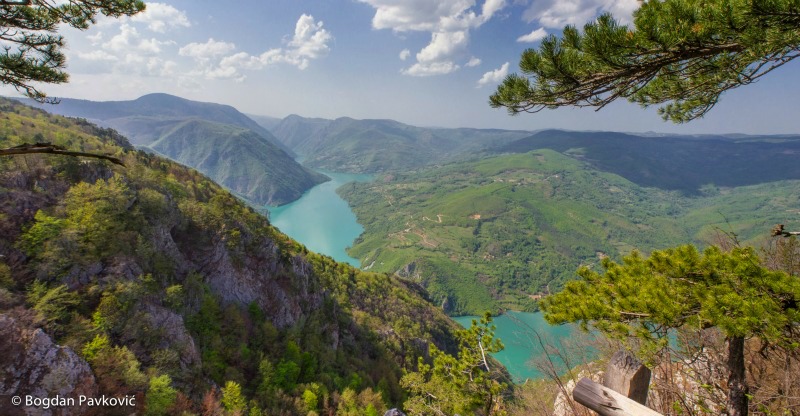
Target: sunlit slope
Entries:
(497, 232)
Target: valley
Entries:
(377, 207)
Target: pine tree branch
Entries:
(25, 149)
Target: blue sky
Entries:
(422, 62)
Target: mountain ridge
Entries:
(274, 178)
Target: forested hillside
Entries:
(150, 280)
(216, 139)
(505, 230)
(369, 146)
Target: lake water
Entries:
(322, 220)
(518, 331)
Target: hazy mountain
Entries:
(350, 145)
(216, 139)
(266, 122)
(684, 163)
(159, 106)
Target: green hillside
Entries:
(502, 230)
(369, 146)
(239, 159)
(216, 139)
(164, 283)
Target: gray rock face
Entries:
(394, 412)
(176, 337)
(31, 364)
(284, 292)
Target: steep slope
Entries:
(503, 230)
(259, 168)
(684, 163)
(368, 146)
(258, 174)
(156, 276)
(159, 106)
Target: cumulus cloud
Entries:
(473, 62)
(559, 13)
(97, 55)
(206, 51)
(494, 76)
(159, 17)
(404, 54)
(534, 36)
(309, 41)
(433, 68)
(448, 21)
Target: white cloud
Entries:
(448, 21)
(96, 38)
(494, 76)
(129, 41)
(420, 69)
(404, 54)
(559, 13)
(443, 45)
(160, 16)
(122, 41)
(534, 36)
(473, 62)
(309, 42)
(97, 55)
(206, 51)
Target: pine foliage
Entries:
(32, 48)
(681, 54)
(682, 287)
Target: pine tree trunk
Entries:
(737, 384)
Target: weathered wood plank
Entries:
(607, 402)
(628, 376)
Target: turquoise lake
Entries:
(322, 220)
(518, 331)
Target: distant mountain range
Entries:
(253, 155)
(369, 146)
(216, 139)
(684, 163)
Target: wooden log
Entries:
(628, 376)
(607, 402)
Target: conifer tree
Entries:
(680, 54)
(681, 287)
(31, 50)
(31, 46)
